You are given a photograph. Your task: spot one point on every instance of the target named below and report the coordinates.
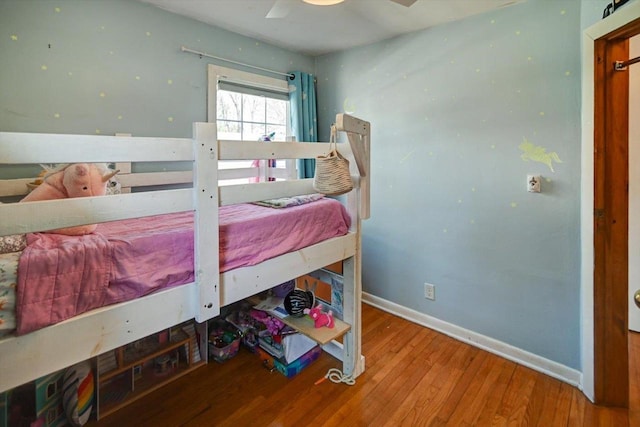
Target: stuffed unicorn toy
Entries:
(73, 180)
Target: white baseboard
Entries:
(517, 355)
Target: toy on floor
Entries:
(273, 324)
(74, 180)
(320, 318)
(78, 393)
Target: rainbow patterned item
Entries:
(78, 393)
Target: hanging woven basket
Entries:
(332, 176)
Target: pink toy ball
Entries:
(297, 300)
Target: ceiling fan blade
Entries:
(280, 9)
(406, 3)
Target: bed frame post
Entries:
(352, 358)
(358, 132)
(205, 184)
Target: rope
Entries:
(336, 376)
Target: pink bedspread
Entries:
(63, 276)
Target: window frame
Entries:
(217, 74)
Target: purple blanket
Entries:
(63, 276)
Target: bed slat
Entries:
(90, 334)
(155, 178)
(243, 193)
(14, 187)
(19, 218)
(250, 150)
(243, 282)
(52, 148)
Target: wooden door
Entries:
(611, 180)
(634, 185)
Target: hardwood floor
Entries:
(414, 377)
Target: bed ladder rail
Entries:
(359, 134)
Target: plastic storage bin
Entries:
(224, 340)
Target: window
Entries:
(248, 107)
(249, 117)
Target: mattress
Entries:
(62, 276)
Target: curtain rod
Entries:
(186, 49)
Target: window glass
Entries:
(229, 130)
(254, 108)
(280, 132)
(253, 131)
(276, 111)
(249, 117)
(229, 105)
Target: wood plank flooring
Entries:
(414, 377)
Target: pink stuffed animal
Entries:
(75, 180)
(320, 319)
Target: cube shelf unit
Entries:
(142, 367)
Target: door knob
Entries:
(636, 298)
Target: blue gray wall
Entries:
(98, 66)
(592, 11)
(461, 114)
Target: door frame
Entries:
(604, 208)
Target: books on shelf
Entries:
(190, 330)
(107, 362)
(272, 305)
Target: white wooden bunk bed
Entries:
(26, 357)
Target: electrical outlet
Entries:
(533, 183)
(430, 291)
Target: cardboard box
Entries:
(291, 348)
(293, 368)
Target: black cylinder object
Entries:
(297, 300)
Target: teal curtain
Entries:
(304, 122)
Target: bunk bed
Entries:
(50, 348)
